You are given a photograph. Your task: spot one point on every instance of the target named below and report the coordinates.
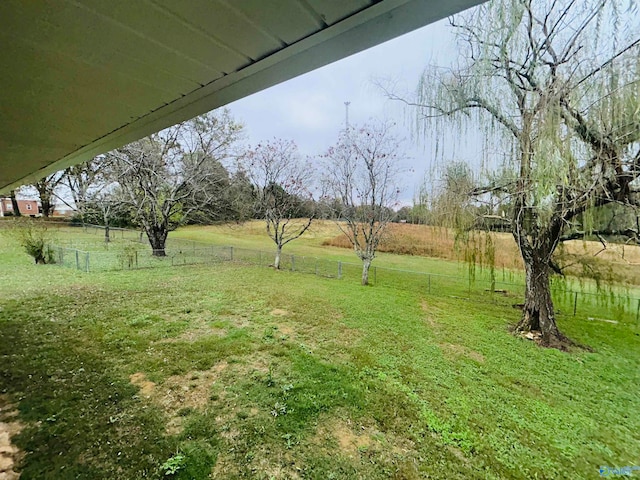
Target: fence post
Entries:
(293, 263)
(375, 275)
(230, 253)
(638, 313)
(316, 267)
(86, 262)
(575, 303)
(136, 258)
(77, 260)
(339, 269)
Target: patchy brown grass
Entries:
(430, 313)
(179, 392)
(456, 351)
(10, 455)
(351, 439)
(146, 387)
(359, 442)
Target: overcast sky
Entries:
(310, 109)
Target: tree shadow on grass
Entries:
(82, 419)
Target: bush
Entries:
(35, 238)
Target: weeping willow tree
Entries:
(554, 88)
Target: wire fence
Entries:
(129, 250)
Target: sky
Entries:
(310, 109)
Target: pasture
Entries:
(230, 370)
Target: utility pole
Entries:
(346, 115)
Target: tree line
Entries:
(200, 172)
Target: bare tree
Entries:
(362, 172)
(106, 204)
(283, 185)
(83, 183)
(46, 188)
(166, 177)
(555, 85)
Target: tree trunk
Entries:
(107, 239)
(157, 239)
(366, 263)
(47, 206)
(538, 315)
(276, 262)
(14, 204)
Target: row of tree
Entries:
(198, 172)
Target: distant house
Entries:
(493, 223)
(27, 207)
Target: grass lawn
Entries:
(231, 371)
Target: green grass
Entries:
(614, 302)
(248, 372)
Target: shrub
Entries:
(35, 238)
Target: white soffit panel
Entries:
(81, 77)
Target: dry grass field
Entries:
(622, 261)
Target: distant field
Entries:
(235, 371)
(415, 246)
(439, 242)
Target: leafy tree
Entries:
(421, 209)
(553, 87)
(362, 171)
(167, 177)
(328, 208)
(240, 196)
(283, 185)
(404, 215)
(229, 197)
(451, 204)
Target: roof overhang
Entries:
(83, 77)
